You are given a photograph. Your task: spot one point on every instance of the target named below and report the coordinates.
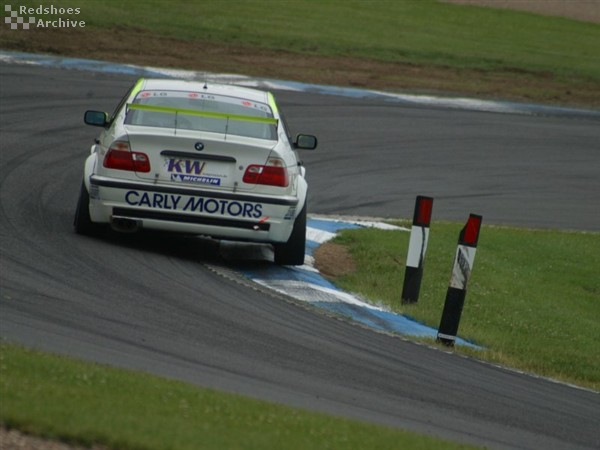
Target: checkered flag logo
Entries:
(14, 20)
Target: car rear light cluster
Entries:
(274, 173)
(120, 157)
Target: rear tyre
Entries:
(292, 252)
(82, 222)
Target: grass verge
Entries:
(533, 300)
(417, 45)
(86, 404)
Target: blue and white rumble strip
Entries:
(270, 84)
(305, 283)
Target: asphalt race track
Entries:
(154, 305)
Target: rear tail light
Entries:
(274, 173)
(120, 157)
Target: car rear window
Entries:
(202, 112)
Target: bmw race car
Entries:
(197, 158)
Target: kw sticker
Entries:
(185, 166)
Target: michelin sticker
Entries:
(194, 179)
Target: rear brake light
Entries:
(273, 173)
(120, 157)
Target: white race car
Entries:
(197, 158)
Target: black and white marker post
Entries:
(419, 236)
(457, 290)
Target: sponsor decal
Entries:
(462, 267)
(194, 204)
(185, 166)
(463, 263)
(186, 171)
(290, 214)
(194, 179)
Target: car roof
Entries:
(207, 87)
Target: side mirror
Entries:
(305, 142)
(96, 118)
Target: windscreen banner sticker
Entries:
(186, 171)
(207, 97)
(203, 205)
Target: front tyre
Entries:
(82, 222)
(291, 253)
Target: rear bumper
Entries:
(237, 216)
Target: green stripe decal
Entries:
(192, 112)
(272, 103)
(138, 87)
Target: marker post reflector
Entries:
(470, 233)
(423, 208)
(457, 289)
(417, 246)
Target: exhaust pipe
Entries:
(124, 225)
